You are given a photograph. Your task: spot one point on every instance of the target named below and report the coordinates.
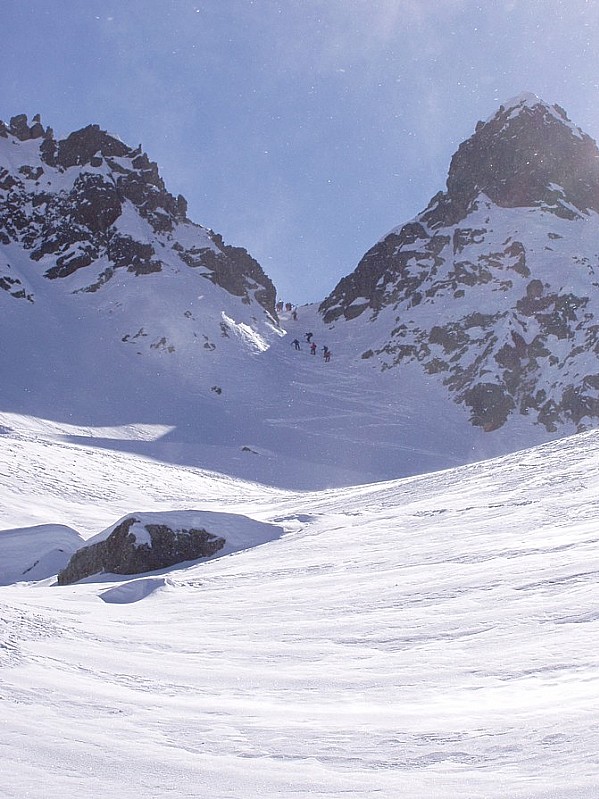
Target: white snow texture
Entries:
(401, 609)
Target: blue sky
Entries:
(302, 130)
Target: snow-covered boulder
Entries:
(146, 542)
(134, 547)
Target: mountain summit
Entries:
(91, 201)
(493, 288)
(526, 154)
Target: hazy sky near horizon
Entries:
(301, 130)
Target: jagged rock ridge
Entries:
(68, 202)
(494, 287)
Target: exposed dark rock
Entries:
(14, 287)
(20, 128)
(67, 265)
(524, 158)
(78, 148)
(234, 269)
(133, 255)
(99, 207)
(368, 278)
(490, 405)
(121, 553)
(77, 225)
(496, 362)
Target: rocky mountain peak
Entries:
(527, 154)
(20, 128)
(493, 289)
(80, 147)
(90, 199)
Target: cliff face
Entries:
(493, 288)
(527, 155)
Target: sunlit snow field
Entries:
(432, 637)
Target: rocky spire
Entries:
(527, 154)
(19, 128)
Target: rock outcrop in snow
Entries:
(135, 547)
(494, 288)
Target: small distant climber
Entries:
(313, 348)
(326, 353)
(279, 306)
(295, 343)
(294, 315)
(308, 337)
(287, 306)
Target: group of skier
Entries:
(292, 309)
(326, 353)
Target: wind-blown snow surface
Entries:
(432, 637)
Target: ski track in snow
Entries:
(433, 637)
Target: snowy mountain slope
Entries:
(494, 288)
(90, 200)
(47, 477)
(116, 315)
(283, 418)
(303, 424)
(106, 281)
(430, 637)
(118, 312)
